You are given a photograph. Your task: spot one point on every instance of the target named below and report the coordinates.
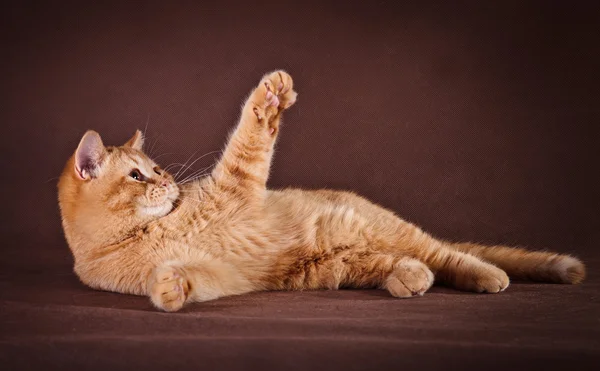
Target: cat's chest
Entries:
(223, 237)
(236, 236)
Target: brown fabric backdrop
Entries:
(475, 120)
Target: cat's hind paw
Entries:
(168, 289)
(410, 278)
(484, 278)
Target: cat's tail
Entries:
(520, 263)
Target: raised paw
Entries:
(169, 289)
(410, 278)
(274, 94)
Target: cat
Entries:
(133, 230)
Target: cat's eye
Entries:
(136, 174)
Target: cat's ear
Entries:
(89, 155)
(136, 141)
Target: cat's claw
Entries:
(271, 98)
(274, 94)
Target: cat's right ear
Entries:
(89, 155)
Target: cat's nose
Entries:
(164, 183)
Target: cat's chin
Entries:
(156, 211)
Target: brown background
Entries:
(476, 121)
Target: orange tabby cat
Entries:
(132, 229)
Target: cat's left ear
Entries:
(89, 155)
(136, 141)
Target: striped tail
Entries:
(529, 265)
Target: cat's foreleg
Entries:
(175, 283)
(247, 157)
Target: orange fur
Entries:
(139, 232)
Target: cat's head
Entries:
(106, 191)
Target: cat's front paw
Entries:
(274, 94)
(169, 288)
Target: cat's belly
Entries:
(336, 235)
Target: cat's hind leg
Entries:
(350, 267)
(402, 276)
(451, 267)
(372, 240)
(467, 272)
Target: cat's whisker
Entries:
(175, 164)
(196, 160)
(146, 126)
(196, 175)
(184, 164)
(151, 149)
(169, 166)
(147, 122)
(153, 145)
(201, 176)
(163, 154)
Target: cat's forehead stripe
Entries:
(132, 158)
(136, 160)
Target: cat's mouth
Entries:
(158, 210)
(161, 207)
